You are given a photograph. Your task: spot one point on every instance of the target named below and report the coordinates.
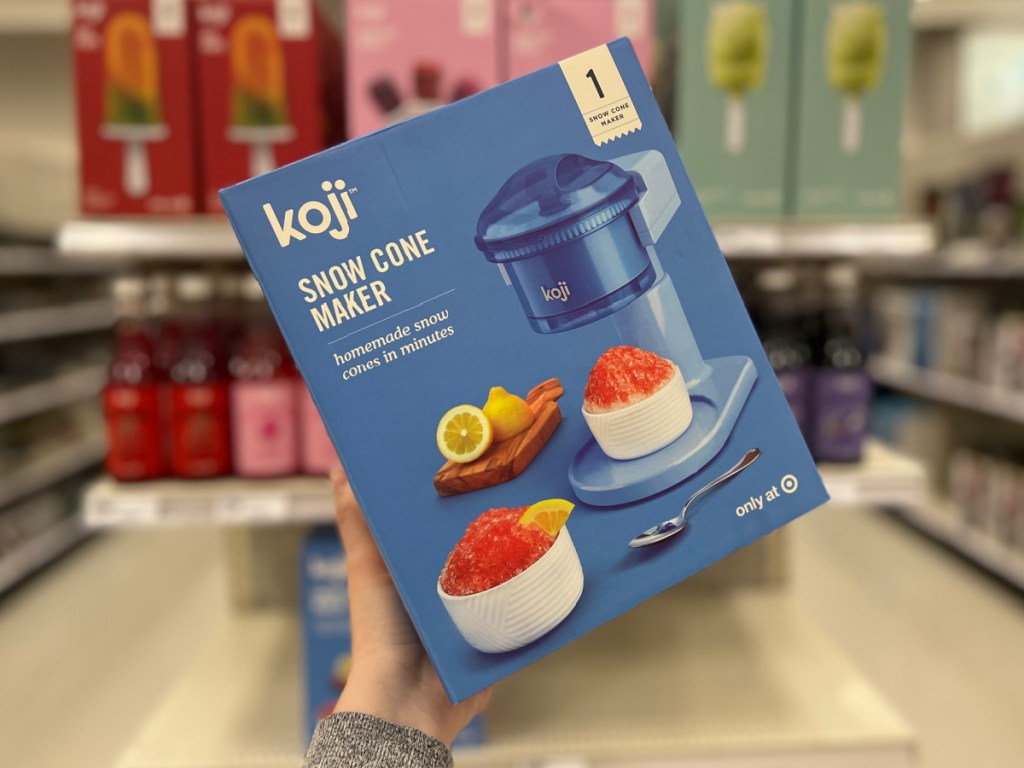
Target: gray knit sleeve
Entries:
(355, 740)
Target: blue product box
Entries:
(541, 239)
(327, 634)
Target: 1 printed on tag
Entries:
(601, 95)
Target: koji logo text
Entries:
(316, 216)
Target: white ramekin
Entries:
(523, 608)
(644, 427)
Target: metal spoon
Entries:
(676, 524)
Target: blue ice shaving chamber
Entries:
(560, 231)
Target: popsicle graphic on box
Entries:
(132, 108)
(737, 57)
(856, 59)
(259, 101)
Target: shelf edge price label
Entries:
(130, 510)
(252, 509)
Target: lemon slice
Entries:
(548, 515)
(464, 433)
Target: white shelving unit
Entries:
(212, 238)
(63, 389)
(227, 501)
(940, 14)
(40, 472)
(904, 240)
(883, 477)
(59, 320)
(748, 682)
(974, 262)
(20, 17)
(939, 519)
(39, 550)
(40, 261)
(950, 390)
(132, 238)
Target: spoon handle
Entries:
(742, 464)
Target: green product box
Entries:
(732, 104)
(851, 82)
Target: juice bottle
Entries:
(842, 386)
(199, 410)
(131, 397)
(317, 454)
(263, 408)
(785, 344)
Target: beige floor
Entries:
(943, 642)
(87, 649)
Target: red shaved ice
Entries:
(494, 549)
(624, 376)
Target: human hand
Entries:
(391, 676)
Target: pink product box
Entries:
(405, 58)
(542, 32)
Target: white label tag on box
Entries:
(630, 17)
(167, 17)
(294, 19)
(476, 17)
(605, 105)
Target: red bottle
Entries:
(199, 410)
(317, 454)
(264, 428)
(131, 399)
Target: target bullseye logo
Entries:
(789, 484)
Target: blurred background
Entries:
(169, 597)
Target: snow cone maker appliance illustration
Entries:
(576, 239)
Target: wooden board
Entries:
(506, 460)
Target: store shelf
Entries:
(35, 17)
(883, 477)
(212, 237)
(201, 237)
(974, 263)
(747, 681)
(61, 320)
(950, 390)
(945, 14)
(55, 464)
(39, 551)
(910, 239)
(227, 501)
(43, 261)
(940, 520)
(62, 389)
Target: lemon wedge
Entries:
(548, 515)
(464, 434)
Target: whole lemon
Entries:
(509, 414)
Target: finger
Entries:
(347, 514)
(356, 538)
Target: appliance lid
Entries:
(551, 201)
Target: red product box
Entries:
(270, 87)
(133, 77)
